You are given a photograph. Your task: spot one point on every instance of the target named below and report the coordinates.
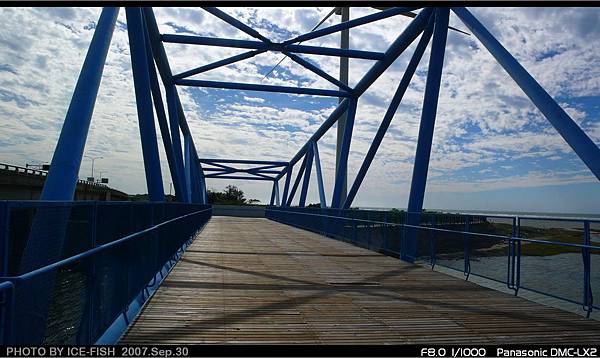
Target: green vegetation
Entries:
(231, 195)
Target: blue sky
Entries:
(492, 149)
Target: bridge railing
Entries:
(556, 257)
(112, 255)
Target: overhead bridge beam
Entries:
(263, 88)
(269, 46)
(243, 161)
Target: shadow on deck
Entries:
(250, 280)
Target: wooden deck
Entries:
(249, 280)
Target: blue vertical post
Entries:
(342, 164)
(583, 146)
(175, 139)
(272, 201)
(425, 139)
(162, 117)
(141, 77)
(286, 186)
(297, 181)
(62, 178)
(277, 201)
(306, 182)
(188, 167)
(322, 198)
(389, 114)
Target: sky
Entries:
(492, 149)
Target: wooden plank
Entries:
(250, 280)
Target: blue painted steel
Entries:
(398, 46)
(330, 121)
(588, 298)
(236, 23)
(277, 201)
(234, 170)
(155, 237)
(297, 181)
(350, 24)
(258, 45)
(322, 198)
(140, 66)
(243, 161)
(221, 63)
(286, 186)
(425, 139)
(62, 178)
(306, 181)
(272, 200)
(389, 114)
(264, 88)
(162, 118)
(342, 164)
(306, 64)
(560, 120)
(171, 93)
(187, 167)
(212, 176)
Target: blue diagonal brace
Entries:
(425, 139)
(322, 198)
(342, 164)
(141, 77)
(306, 181)
(389, 114)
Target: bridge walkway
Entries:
(252, 280)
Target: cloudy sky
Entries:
(492, 150)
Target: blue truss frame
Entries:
(186, 168)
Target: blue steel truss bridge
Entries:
(150, 272)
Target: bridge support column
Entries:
(322, 198)
(297, 181)
(389, 114)
(342, 165)
(141, 79)
(175, 138)
(430, 102)
(64, 169)
(272, 201)
(286, 186)
(306, 181)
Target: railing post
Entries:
(7, 309)
(4, 237)
(467, 238)
(587, 285)
(432, 247)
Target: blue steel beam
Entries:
(62, 178)
(208, 176)
(304, 63)
(236, 23)
(233, 170)
(258, 45)
(242, 161)
(162, 63)
(141, 81)
(425, 139)
(263, 88)
(330, 121)
(583, 146)
(297, 181)
(322, 197)
(277, 201)
(306, 181)
(389, 115)
(342, 165)
(401, 43)
(162, 117)
(350, 24)
(188, 167)
(171, 93)
(286, 186)
(217, 64)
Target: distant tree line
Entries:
(231, 195)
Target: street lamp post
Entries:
(93, 159)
